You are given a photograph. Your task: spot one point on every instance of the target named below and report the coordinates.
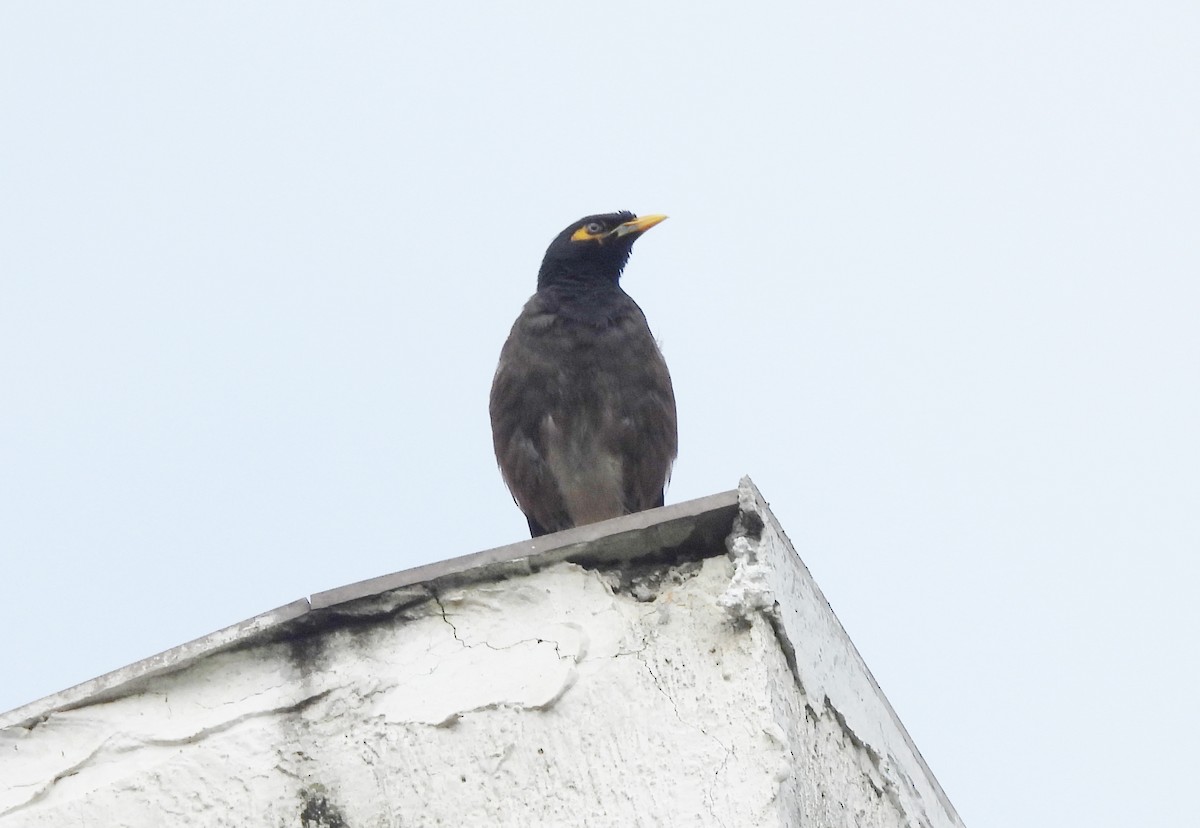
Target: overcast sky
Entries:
(931, 277)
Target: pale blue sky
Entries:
(930, 277)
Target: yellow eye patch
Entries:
(593, 231)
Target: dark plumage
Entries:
(583, 413)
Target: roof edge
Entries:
(695, 528)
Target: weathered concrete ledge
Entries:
(674, 667)
(695, 528)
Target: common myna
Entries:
(583, 413)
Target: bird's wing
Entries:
(519, 402)
(645, 436)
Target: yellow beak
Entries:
(637, 225)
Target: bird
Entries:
(582, 407)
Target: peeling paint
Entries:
(684, 690)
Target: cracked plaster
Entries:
(719, 691)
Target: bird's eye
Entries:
(594, 228)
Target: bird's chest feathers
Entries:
(574, 343)
(584, 369)
(591, 373)
(602, 333)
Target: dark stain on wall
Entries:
(318, 811)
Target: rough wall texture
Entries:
(692, 695)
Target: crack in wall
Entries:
(437, 599)
(485, 643)
(112, 746)
(709, 798)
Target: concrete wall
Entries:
(676, 685)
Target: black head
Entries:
(593, 250)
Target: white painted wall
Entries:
(543, 699)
